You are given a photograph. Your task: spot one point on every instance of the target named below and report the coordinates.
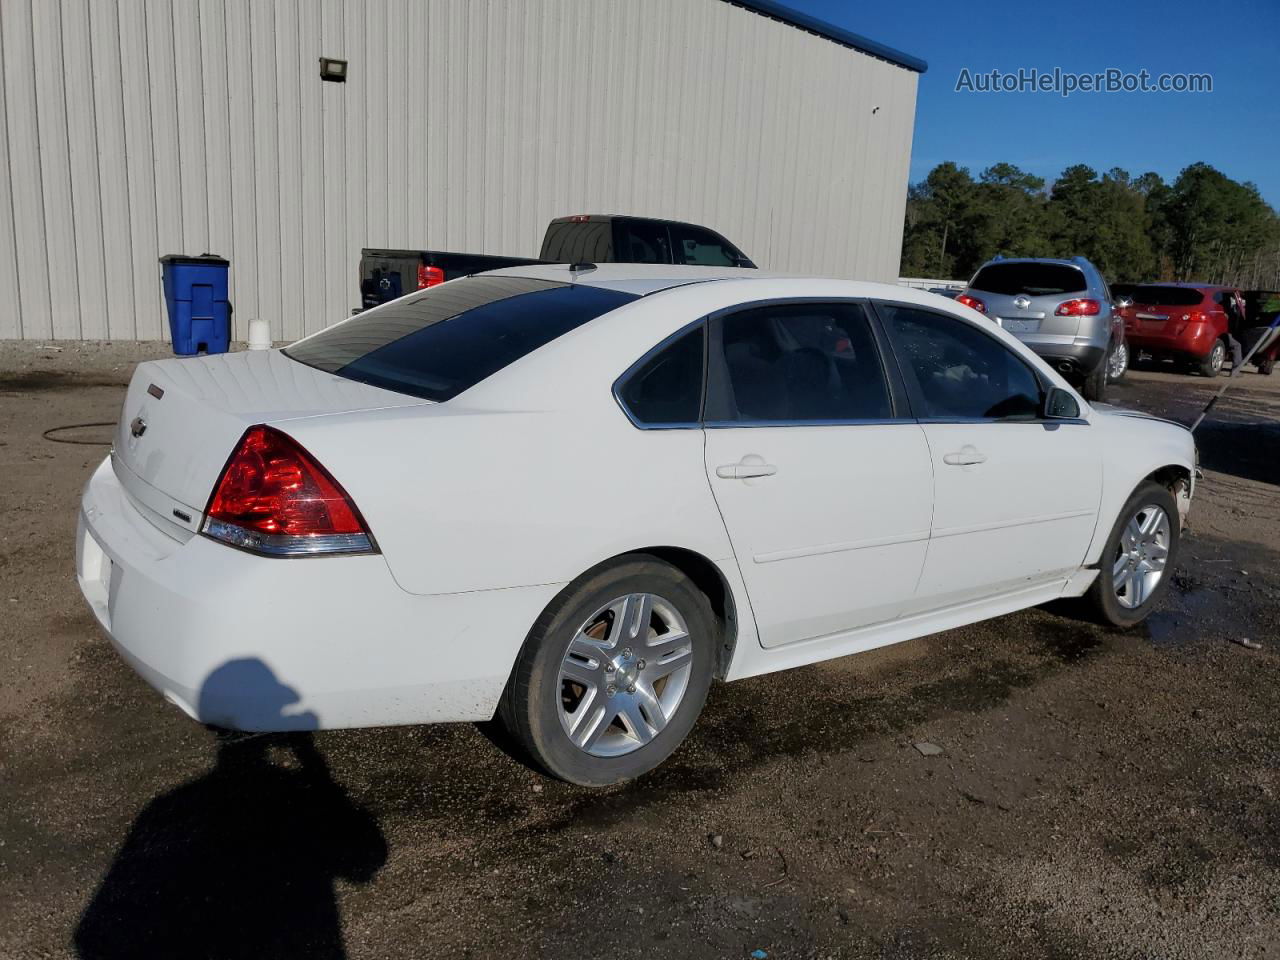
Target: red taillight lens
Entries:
(973, 302)
(1078, 308)
(429, 276)
(274, 498)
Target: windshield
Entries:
(1167, 296)
(1033, 279)
(445, 340)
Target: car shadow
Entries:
(242, 861)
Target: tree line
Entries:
(1204, 226)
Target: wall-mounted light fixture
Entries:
(334, 71)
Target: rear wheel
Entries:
(1266, 366)
(1118, 362)
(1137, 559)
(1094, 388)
(1211, 364)
(613, 674)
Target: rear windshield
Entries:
(447, 339)
(1167, 296)
(578, 241)
(1033, 279)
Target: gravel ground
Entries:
(1097, 794)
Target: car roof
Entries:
(1066, 263)
(603, 217)
(642, 279)
(1186, 285)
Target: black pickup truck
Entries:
(585, 238)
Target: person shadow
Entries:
(242, 861)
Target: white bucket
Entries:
(259, 335)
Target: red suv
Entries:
(1182, 321)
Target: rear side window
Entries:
(703, 248)
(448, 338)
(667, 388)
(569, 241)
(799, 362)
(643, 242)
(1158, 296)
(959, 371)
(1033, 279)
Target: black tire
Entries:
(1210, 365)
(530, 706)
(1266, 366)
(1094, 388)
(1102, 603)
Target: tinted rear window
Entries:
(570, 241)
(1033, 279)
(448, 338)
(1167, 296)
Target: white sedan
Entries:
(572, 498)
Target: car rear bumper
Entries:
(1073, 356)
(254, 643)
(1194, 340)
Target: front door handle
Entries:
(964, 457)
(745, 470)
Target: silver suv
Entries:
(1062, 310)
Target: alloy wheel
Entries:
(1119, 361)
(1217, 357)
(624, 675)
(1141, 557)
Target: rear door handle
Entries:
(964, 457)
(745, 471)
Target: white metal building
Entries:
(135, 128)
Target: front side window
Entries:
(798, 362)
(448, 338)
(667, 388)
(959, 371)
(704, 248)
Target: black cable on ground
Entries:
(78, 426)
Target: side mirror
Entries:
(1060, 404)
(1123, 303)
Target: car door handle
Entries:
(964, 457)
(745, 471)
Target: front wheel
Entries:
(613, 674)
(1137, 559)
(1211, 364)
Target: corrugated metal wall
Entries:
(131, 128)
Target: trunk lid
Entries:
(182, 418)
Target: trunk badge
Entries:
(1021, 302)
(138, 427)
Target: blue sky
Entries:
(1236, 128)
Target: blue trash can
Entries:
(195, 292)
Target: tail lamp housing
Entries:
(1083, 307)
(429, 276)
(972, 302)
(273, 498)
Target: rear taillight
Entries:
(429, 276)
(1078, 308)
(273, 498)
(973, 302)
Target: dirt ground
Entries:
(1099, 794)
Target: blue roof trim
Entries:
(823, 29)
